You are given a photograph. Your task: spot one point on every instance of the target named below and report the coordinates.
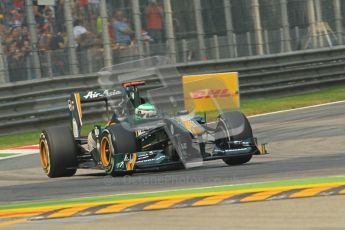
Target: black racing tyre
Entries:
(233, 126)
(58, 152)
(237, 160)
(115, 139)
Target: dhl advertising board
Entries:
(211, 92)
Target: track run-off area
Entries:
(307, 159)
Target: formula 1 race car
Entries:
(149, 126)
(137, 138)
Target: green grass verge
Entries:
(6, 154)
(193, 191)
(249, 107)
(252, 107)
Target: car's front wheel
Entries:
(233, 126)
(114, 140)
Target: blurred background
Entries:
(51, 38)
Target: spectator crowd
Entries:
(51, 31)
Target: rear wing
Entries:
(79, 98)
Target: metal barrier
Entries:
(37, 103)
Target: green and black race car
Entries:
(138, 138)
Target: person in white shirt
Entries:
(78, 30)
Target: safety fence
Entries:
(54, 63)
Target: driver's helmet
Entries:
(144, 111)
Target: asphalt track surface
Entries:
(303, 143)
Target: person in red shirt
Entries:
(18, 4)
(84, 7)
(154, 21)
(84, 2)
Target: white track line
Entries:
(291, 110)
(301, 108)
(19, 151)
(17, 155)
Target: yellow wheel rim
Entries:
(105, 152)
(44, 153)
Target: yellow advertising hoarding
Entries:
(211, 92)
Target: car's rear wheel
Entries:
(233, 126)
(58, 152)
(116, 139)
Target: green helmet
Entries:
(146, 110)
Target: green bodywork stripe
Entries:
(147, 107)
